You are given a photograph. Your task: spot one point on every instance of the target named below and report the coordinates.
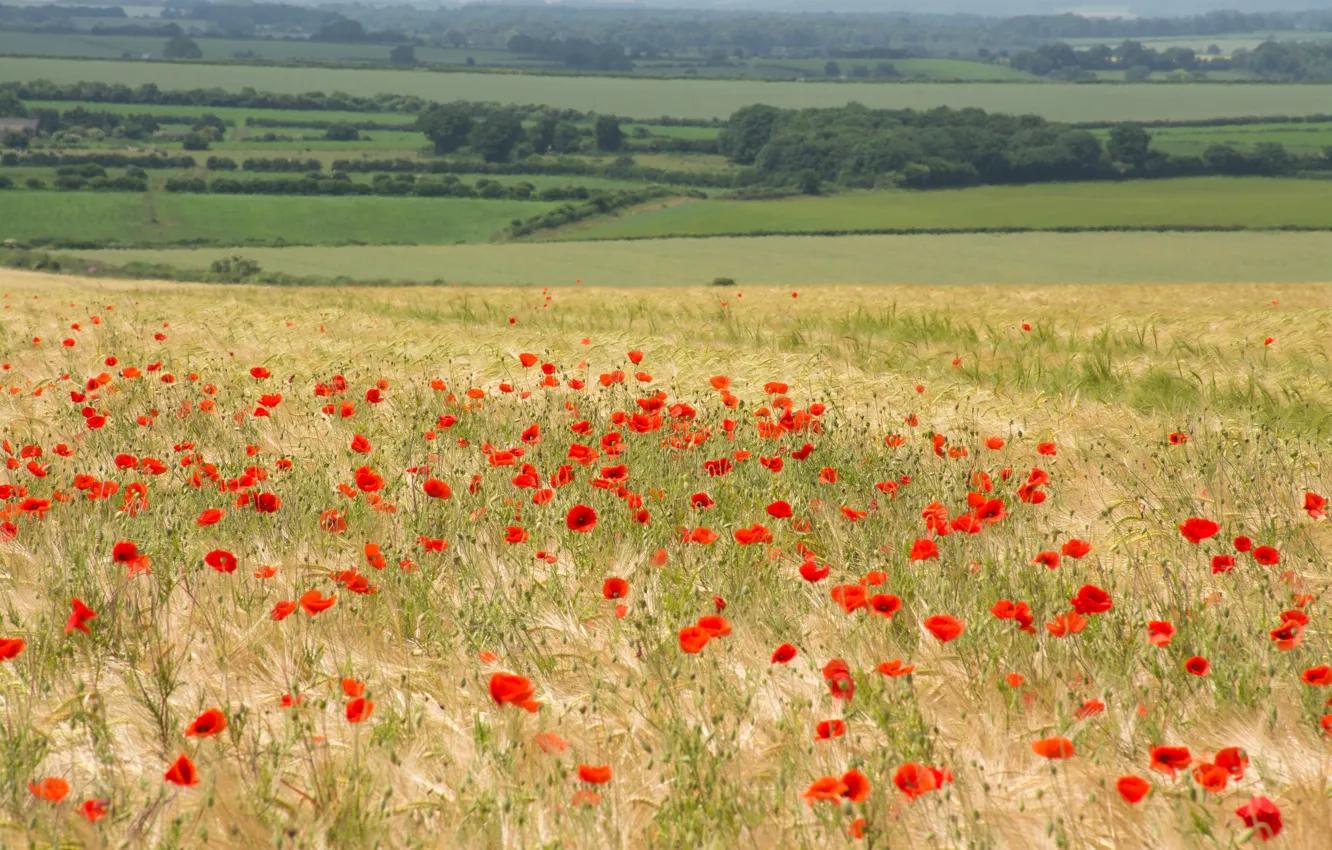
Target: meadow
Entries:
(684, 98)
(1065, 258)
(890, 566)
(158, 218)
(1189, 202)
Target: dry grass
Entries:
(707, 750)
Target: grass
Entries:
(165, 219)
(1300, 139)
(703, 750)
(648, 98)
(235, 114)
(1205, 201)
(1029, 258)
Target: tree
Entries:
(495, 137)
(195, 142)
(1129, 144)
(747, 132)
(182, 47)
(567, 138)
(832, 69)
(11, 106)
(542, 135)
(403, 54)
(342, 132)
(447, 125)
(608, 134)
(344, 31)
(1138, 74)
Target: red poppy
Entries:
(1288, 635)
(1243, 544)
(1047, 449)
(850, 596)
(1075, 549)
(1068, 623)
(813, 573)
(924, 549)
(1262, 816)
(1089, 709)
(779, 510)
(994, 443)
(1049, 560)
(825, 730)
(857, 786)
(944, 627)
(221, 560)
(784, 653)
(211, 722)
(1092, 600)
(885, 604)
(79, 616)
(315, 602)
(1168, 760)
(52, 789)
(1159, 632)
(1222, 564)
(436, 489)
(182, 773)
(1198, 666)
(581, 518)
(1132, 788)
(10, 648)
(1267, 556)
(1195, 529)
(282, 610)
(359, 709)
(913, 780)
(1053, 748)
(1320, 676)
(94, 810)
(1015, 680)
(615, 588)
(693, 639)
(1234, 760)
(594, 774)
(715, 625)
(210, 517)
(512, 689)
(827, 788)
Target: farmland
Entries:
(1187, 202)
(163, 218)
(1009, 566)
(1082, 258)
(648, 98)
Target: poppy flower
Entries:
(1092, 600)
(885, 604)
(779, 510)
(1015, 680)
(914, 779)
(515, 534)
(282, 610)
(1222, 564)
(714, 625)
(10, 648)
(182, 773)
(924, 549)
(944, 627)
(1053, 748)
(826, 730)
(1243, 544)
(693, 639)
(1068, 623)
(1089, 709)
(212, 516)
(857, 786)
(1132, 788)
(354, 687)
(1267, 556)
(895, 668)
(581, 518)
(813, 573)
(211, 722)
(1288, 635)
(359, 709)
(1320, 676)
(94, 810)
(512, 689)
(316, 603)
(1047, 449)
(1049, 560)
(994, 443)
(1315, 505)
(1211, 777)
(594, 774)
(549, 742)
(850, 596)
(1198, 666)
(615, 588)
(1168, 760)
(1234, 760)
(1159, 632)
(79, 616)
(1075, 549)
(784, 653)
(1262, 816)
(221, 560)
(1195, 529)
(826, 788)
(52, 789)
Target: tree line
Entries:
(854, 146)
(1287, 61)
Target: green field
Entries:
(1303, 139)
(1201, 201)
(805, 260)
(646, 98)
(164, 219)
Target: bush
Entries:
(723, 281)
(234, 269)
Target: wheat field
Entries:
(452, 567)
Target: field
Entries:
(648, 98)
(804, 260)
(1198, 202)
(938, 568)
(1303, 139)
(160, 218)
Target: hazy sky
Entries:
(999, 8)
